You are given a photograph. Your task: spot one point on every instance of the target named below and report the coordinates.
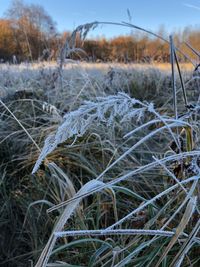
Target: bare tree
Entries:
(33, 28)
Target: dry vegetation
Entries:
(99, 165)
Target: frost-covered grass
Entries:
(116, 176)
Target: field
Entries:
(99, 165)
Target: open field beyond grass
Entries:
(99, 165)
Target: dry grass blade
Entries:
(114, 232)
(173, 76)
(179, 230)
(193, 50)
(186, 246)
(181, 80)
(188, 196)
(69, 187)
(66, 214)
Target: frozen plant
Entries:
(104, 109)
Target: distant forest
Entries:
(28, 33)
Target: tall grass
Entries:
(115, 161)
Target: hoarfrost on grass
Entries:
(105, 109)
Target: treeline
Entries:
(28, 33)
(142, 48)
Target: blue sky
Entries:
(173, 14)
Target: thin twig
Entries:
(13, 115)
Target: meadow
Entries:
(99, 165)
